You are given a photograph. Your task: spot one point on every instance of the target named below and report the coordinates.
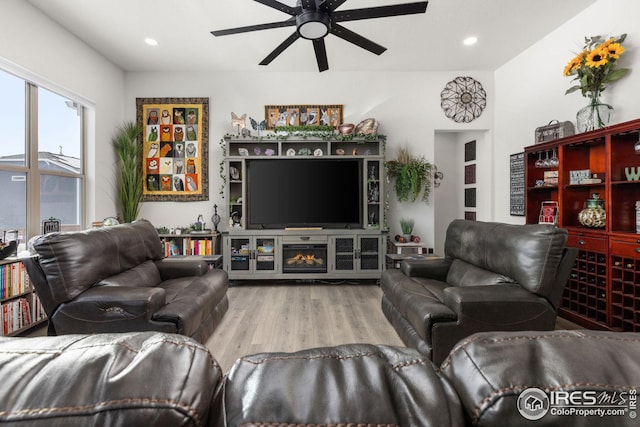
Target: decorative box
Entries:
(553, 130)
(551, 178)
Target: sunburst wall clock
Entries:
(463, 99)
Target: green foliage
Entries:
(406, 225)
(129, 183)
(291, 129)
(412, 176)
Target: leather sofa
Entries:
(157, 379)
(115, 279)
(493, 277)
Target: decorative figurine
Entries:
(239, 122)
(258, 126)
(367, 127)
(215, 218)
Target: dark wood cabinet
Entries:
(603, 291)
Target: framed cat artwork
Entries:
(175, 142)
(302, 115)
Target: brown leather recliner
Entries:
(494, 277)
(114, 279)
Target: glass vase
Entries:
(596, 115)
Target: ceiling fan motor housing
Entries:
(313, 24)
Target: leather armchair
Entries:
(114, 279)
(494, 277)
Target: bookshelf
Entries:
(20, 307)
(603, 291)
(191, 244)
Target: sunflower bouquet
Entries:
(595, 65)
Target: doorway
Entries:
(449, 200)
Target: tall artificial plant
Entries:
(412, 176)
(129, 183)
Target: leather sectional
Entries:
(158, 379)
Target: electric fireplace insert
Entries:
(304, 258)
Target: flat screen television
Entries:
(309, 192)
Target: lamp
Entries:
(313, 25)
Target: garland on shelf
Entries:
(223, 175)
(285, 132)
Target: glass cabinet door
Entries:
(265, 254)
(240, 255)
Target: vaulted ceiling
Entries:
(422, 42)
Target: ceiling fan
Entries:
(315, 19)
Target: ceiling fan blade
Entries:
(380, 12)
(321, 54)
(357, 39)
(280, 6)
(331, 5)
(287, 23)
(278, 50)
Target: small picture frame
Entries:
(50, 225)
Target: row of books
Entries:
(187, 246)
(13, 280)
(16, 314)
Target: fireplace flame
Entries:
(309, 259)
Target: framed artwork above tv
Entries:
(303, 115)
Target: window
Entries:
(41, 158)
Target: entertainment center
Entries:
(304, 207)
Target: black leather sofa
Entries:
(493, 277)
(156, 379)
(114, 279)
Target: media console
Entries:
(304, 207)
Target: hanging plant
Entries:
(129, 176)
(412, 176)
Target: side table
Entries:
(394, 260)
(406, 248)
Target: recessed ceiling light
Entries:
(151, 42)
(470, 41)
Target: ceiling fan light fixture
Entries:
(313, 25)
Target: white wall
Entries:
(530, 88)
(407, 105)
(37, 49)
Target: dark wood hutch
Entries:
(603, 291)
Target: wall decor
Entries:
(469, 197)
(175, 148)
(470, 151)
(303, 115)
(470, 174)
(516, 199)
(470, 215)
(463, 99)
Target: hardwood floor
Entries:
(291, 317)
(268, 317)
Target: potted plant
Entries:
(412, 176)
(406, 225)
(129, 182)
